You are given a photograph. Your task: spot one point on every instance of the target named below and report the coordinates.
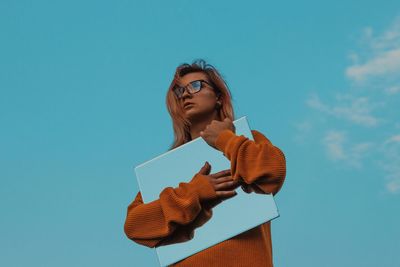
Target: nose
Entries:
(186, 93)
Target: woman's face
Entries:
(200, 105)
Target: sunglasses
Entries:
(192, 88)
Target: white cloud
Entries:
(303, 130)
(388, 40)
(387, 63)
(393, 186)
(368, 32)
(393, 139)
(392, 90)
(355, 109)
(354, 57)
(391, 163)
(374, 73)
(316, 103)
(338, 148)
(383, 57)
(334, 145)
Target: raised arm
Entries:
(256, 162)
(171, 218)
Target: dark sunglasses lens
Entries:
(196, 85)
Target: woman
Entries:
(199, 103)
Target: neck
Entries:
(200, 124)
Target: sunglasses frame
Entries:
(182, 89)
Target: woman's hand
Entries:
(222, 181)
(212, 130)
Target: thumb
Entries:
(205, 170)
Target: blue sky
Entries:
(83, 85)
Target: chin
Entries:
(193, 115)
(190, 116)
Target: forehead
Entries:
(193, 76)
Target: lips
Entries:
(187, 104)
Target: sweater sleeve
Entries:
(171, 218)
(256, 162)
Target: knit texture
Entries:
(174, 217)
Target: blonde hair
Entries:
(181, 125)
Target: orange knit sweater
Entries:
(173, 217)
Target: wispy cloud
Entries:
(375, 65)
(391, 163)
(387, 63)
(303, 130)
(382, 58)
(389, 39)
(354, 109)
(393, 139)
(338, 148)
(392, 90)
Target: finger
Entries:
(224, 186)
(235, 184)
(226, 194)
(221, 173)
(224, 179)
(205, 170)
(230, 185)
(246, 189)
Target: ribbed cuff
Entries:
(223, 139)
(203, 187)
